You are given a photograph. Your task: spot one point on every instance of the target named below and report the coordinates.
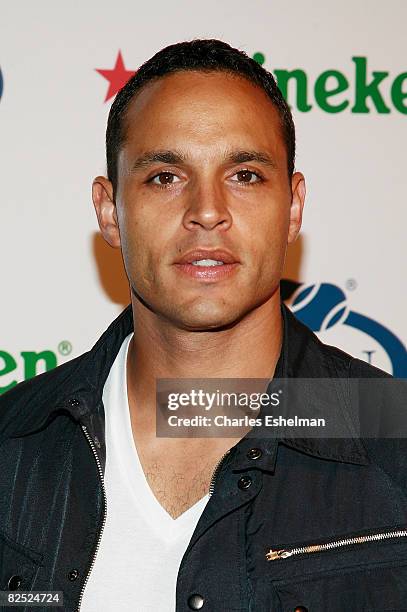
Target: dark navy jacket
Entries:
(347, 494)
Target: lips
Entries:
(223, 265)
(216, 254)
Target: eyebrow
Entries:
(176, 157)
(240, 157)
(152, 157)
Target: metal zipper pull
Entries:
(272, 555)
(278, 554)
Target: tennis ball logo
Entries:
(320, 306)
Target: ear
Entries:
(297, 204)
(105, 207)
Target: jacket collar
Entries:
(77, 387)
(304, 356)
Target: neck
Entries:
(249, 349)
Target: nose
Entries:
(207, 208)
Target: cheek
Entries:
(267, 247)
(145, 242)
(267, 229)
(131, 239)
(134, 236)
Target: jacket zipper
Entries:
(284, 553)
(216, 472)
(84, 428)
(89, 439)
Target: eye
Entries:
(247, 177)
(163, 179)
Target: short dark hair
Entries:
(203, 55)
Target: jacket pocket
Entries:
(359, 572)
(373, 588)
(18, 564)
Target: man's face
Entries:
(204, 167)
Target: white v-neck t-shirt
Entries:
(137, 563)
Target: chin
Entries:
(207, 319)
(202, 326)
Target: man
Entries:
(202, 199)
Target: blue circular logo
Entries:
(1, 83)
(320, 306)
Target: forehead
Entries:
(202, 108)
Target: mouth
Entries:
(207, 264)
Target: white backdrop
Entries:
(60, 282)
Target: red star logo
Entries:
(117, 77)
